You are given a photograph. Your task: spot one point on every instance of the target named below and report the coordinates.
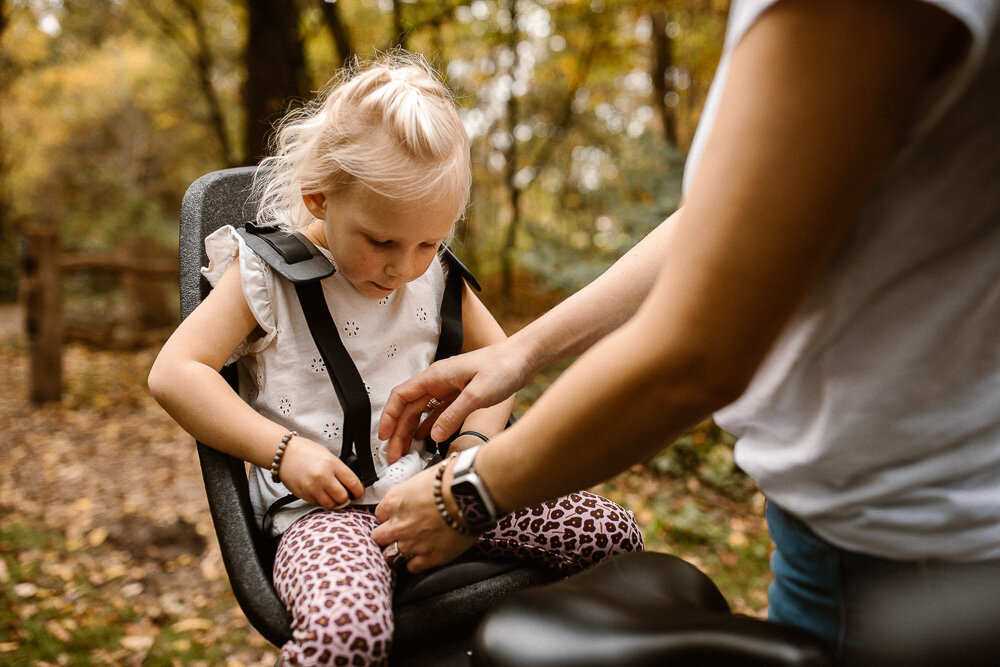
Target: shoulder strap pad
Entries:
(289, 253)
(455, 264)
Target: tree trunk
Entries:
(397, 24)
(275, 70)
(662, 62)
(202, 60)
(5, 80)
(341, 36)
(41, 296)
(514, 224)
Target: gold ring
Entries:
(432, 405)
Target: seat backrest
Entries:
(213, 201)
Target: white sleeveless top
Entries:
(284, 378)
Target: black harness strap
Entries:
(290, 246)
(452, 333)
(356, 449)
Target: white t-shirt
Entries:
(283, 377)
(876, 416)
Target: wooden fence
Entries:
(43, 268)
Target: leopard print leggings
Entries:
(338, 587)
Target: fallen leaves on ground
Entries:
(104, 522)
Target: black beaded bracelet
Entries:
(278, 455)
(452, 522)
(473, 433)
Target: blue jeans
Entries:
(868, 608)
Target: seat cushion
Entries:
(634, 609)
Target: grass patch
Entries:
(63, 606)
(48, 611)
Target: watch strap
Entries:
(475, 504)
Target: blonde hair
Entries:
(389, 124)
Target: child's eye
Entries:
(379, 244)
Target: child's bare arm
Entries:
(185, 380)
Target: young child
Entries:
(375, 173)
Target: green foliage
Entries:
(723, 534)
(106, 152)
(706, 452)
(736, 560)
(103, 122)
(593, 228)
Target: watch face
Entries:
(472, 508)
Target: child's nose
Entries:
(400, 266)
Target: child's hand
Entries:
(314, 474)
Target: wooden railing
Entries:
(43, 268)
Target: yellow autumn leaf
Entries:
(738, 540)
(189, 624)
(96, 537)
(138, 642)
(83, 504)
(56, 630)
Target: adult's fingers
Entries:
(406, 428)
(416, 424)
(338, 493)
(451, 416)
(418, 564)
(385, 532)
(407, 401)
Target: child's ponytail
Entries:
(390, 124)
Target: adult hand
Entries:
(463, 384)
(409, 518)
(311, 472)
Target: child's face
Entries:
(379, 244)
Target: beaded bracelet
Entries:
(278, 455)
(439, 501)
(473, 433)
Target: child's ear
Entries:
(316, 204)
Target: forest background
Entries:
(580, 113)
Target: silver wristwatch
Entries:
(475, 504)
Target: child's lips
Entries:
(383, 287)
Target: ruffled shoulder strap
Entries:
(223, 247)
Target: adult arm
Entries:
(492, 374)
(185, 381)
(818, 95)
